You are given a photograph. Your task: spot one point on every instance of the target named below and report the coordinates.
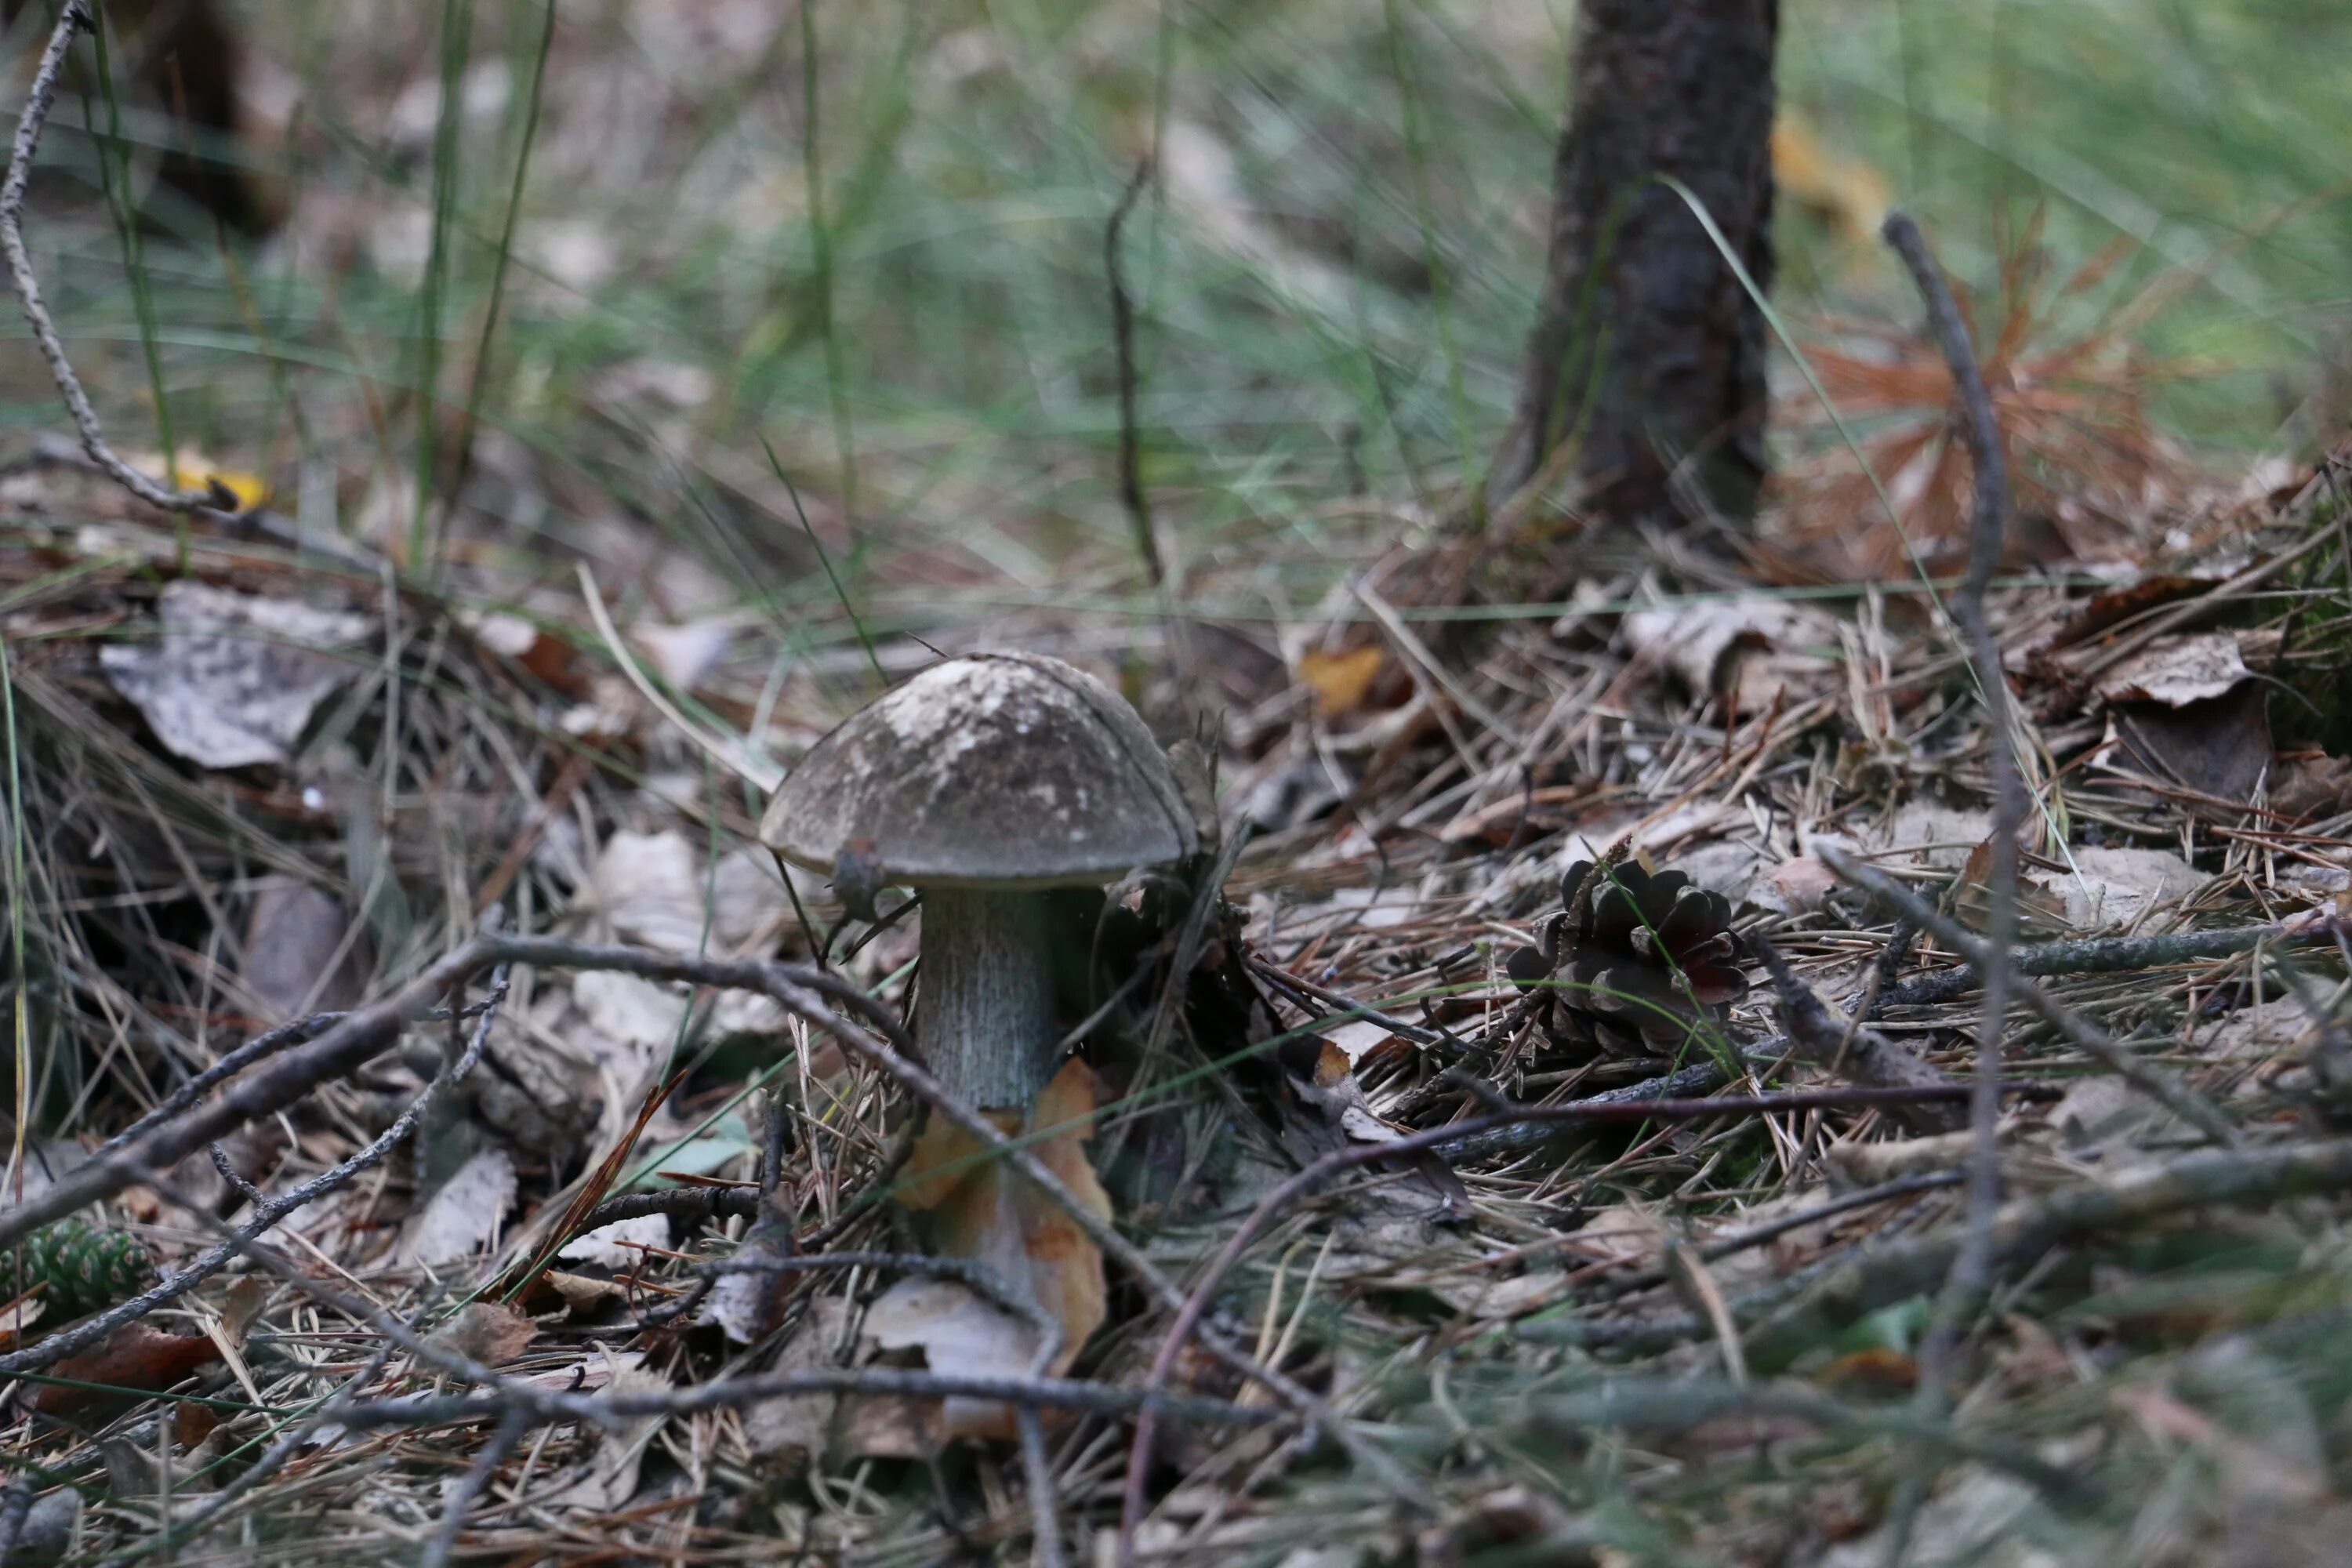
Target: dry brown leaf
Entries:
(1795, 887)
(2218, 747)
(135, 1356)
(979, 1211)
(960, 1333)
(1341, 681)
(2111, 888)
(1749, 650)
(489, 1332)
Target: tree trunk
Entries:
(1681, 88)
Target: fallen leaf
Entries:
(636, 1014)
(298, 955)
(136, 1356)
(2110, 887)
(1750, 650)
(620, 1244)
(1341, 681)
(979, 1211)
(960, 1334)
(644, 887)
(492, 1332)
(2218, 747)
(608, 1479)
(234, 679)
(191, 469)
(2176, 670)
(801, 1429)
(464, 1212)
(2312, 784)
(1795, 887)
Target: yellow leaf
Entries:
(1342, 681)
(1851, 194)
(191, 469)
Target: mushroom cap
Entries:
(995, 771)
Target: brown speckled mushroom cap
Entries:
(997, 771)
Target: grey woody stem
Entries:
(985, 1022)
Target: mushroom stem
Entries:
(985, 1022)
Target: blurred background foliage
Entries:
(871, 236)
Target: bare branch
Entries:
(267, 1212)
(1971, 1266)
(2079, 1031)
(216, 499)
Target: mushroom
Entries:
(982, 783)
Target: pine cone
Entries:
(1649, 959)
(78, 1269)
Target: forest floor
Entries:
(439, 1130)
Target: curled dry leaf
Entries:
(977, 1210)
(620, 1244)
(234, 679)
(959, 1333)
(1749, 650)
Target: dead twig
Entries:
(1852, 1050)
(267, 1212)
(460, 1501)
(1122, 333)
(2079, 1032)
(217, 498)
(2099, 956)
(1971, 1266)
(801, 989)
(1784, 1319)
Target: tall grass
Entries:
(905, 289)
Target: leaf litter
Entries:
(1683, 1338)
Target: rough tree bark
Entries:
(1658, 87)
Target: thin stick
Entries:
(1971, 1266)
(802, 989)
(216, 499)
(1808, 1307)
(2098, 955)
(265, 1214)
(1851, 1050)
(460, 1501)
(2079, 1031)
(1122, 333)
